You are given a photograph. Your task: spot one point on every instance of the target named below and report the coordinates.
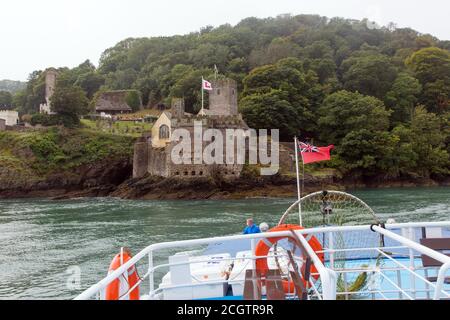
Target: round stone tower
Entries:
(50, 82)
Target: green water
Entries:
(41, 239)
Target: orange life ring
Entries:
(262, 249)
(118, 287)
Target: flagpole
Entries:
(201, 111)
(299, 195)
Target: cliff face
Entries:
(92, 180)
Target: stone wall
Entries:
(158, 162)
(11, 117)
(191, 170)
(140, 158)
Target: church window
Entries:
(164, 132)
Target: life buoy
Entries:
(263, 248)
(120, 286)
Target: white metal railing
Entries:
(150, 250)
(328, 277)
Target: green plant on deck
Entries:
(356, 286)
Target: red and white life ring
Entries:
(263, 248)
(120, 286)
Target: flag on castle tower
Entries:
(206, 85)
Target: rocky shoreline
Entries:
(112, 179)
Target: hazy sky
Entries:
(38, 34)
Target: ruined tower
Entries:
(50, 83)
(223, 98)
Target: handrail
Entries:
(165, 245)
(327, 275)
(445, 260)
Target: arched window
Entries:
(164, 132)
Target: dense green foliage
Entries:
(69, 102)
(133, 99)
(366, 90)
(57, 148)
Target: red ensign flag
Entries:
(311, 154)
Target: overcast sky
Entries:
(38, 34)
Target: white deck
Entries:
(401, 277)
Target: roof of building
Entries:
(113, 101)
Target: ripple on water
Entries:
(42, 238)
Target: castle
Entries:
(152, 153)
(50, 83)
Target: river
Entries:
(42, 239)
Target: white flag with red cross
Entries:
(206, 85)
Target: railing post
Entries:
(253, 254)
(331, 247)
(151, 274)
(328, 278)
(440, 280)
(412, 265)
(399, 283)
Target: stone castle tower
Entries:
(223, 98)
(50, 82)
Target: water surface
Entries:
(41, 239)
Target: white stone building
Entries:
(11, 117)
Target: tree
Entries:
(28, 100)
(69, 103)
(206, 55)
(19, 100)
(429, 143)
(344, 111)
(133, 99)
(90, 82)
(403, 97)
(271, 110)
(369, 74)
(363, 152)
(5, 100)
(432, 67)
(430, 64)
(289, 86)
